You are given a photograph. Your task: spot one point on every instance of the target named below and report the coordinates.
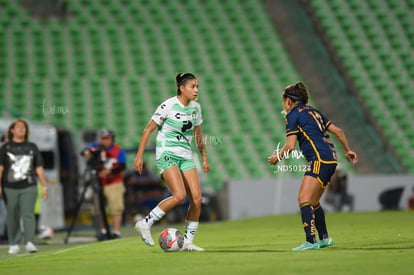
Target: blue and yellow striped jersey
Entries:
(310, 126)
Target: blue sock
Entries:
(308, 221)
(320, 222)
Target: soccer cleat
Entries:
(307, 246)
(145, 232)
(116, 236)
(191, 247)
(30, 247)
(14, 249)
(326, 242)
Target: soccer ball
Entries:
(171, 240)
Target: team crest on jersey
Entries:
(194, 115)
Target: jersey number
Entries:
(318, 119)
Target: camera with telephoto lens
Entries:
(94, 158)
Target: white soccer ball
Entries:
(171, 240)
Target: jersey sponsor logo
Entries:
(192, 116)
(187, 125)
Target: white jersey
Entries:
(176, 127)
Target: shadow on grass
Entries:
(245, 251)
(376, 248)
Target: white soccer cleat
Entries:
(145, 231)
(14, 249)
(30, 247)
(191, 247)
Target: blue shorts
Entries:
(322, 171)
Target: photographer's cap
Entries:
(105, 133)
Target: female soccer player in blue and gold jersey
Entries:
(178, 120)
(308, 126)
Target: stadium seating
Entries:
(374, 41)
(110, 63)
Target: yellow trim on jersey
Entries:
(329, 161)
(314, 148)
(328, 123)
(292, 133)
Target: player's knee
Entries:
(303, 198)
(197, 201)
(179, 198)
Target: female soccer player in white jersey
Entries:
(178, 120)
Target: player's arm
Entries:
(42, 177)
(138, 163)
(286, 149)
(201, 147)
(340, 134)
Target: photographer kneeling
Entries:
(110, 166)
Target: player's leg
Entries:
(27, 200)
(114, 194)
(308, 187)
(174, 180)
(193, 188)
(13, 219)
(325, 173)
(320, 222)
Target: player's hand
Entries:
(139, 164)
(87, 154)
(206, 166)
(352, 156)
(104, 173)
(45, 193)
(273, 159)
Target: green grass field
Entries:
(365, 243)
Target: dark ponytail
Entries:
(297, 92)
(181, 79)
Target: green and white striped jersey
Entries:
(176, 127)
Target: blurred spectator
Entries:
(110, 169)
(141, 190)
(337, 194)
(20, 166)
(3, 213)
